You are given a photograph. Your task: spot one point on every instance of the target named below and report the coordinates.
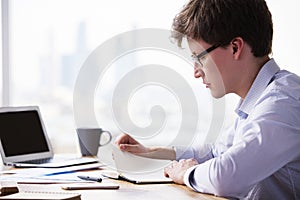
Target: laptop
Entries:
(137, 169)
(24, 141)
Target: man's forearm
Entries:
(160, 153)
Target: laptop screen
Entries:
(22, 133)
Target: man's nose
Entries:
(198, 73)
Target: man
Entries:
(259, 157)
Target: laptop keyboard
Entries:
(38, 161)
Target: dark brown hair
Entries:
(220, 21)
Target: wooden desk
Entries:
(129, 191)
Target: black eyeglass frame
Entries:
(204, 53)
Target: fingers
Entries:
(130, 148)
(125, 139)
(126, 143)
(176, 170)
(168, 170)
(122, 139)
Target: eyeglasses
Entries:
(197, 58)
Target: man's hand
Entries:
(177, 170)
(127, 143)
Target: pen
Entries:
(90, 178)
(59, 173)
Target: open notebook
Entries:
(139, 170)
(24, 141)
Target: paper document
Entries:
(46, 175)
(139, 169)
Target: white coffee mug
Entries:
(90, 140)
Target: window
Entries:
(49, 40)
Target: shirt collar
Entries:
(260, 83)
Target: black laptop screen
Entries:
(21, 133)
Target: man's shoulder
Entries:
(282, 95)
(279, 102)
(286, 74)
(284, 83)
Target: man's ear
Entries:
(237, 46)
(234, 48)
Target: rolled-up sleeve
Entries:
(201, 154)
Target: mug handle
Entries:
(110, 137)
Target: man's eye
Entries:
(203, 58)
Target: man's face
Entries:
(209, 67)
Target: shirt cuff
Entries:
(183, 152)
(189, 177)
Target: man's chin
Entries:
(217, 94)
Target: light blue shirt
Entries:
(259, 157)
